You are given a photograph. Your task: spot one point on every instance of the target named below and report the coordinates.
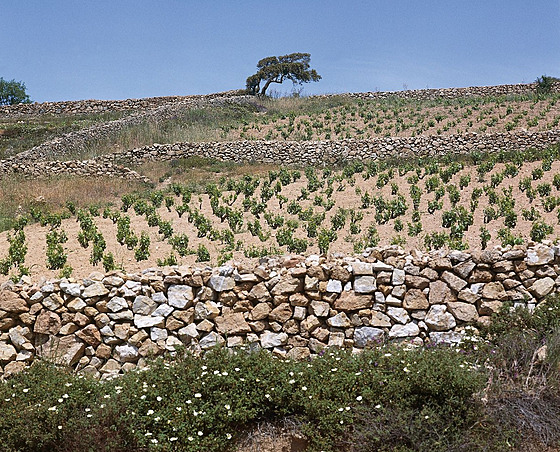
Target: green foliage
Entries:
(435, 240)
(326, 237)
(153, 410)
(12, 92)
(168, 261)
(142, 253)
(56, 257)
(545, 84)
(17, 251)
(539, 230)
(507, 238)
(294, 67)
(485, 237)
(109, 262)
(202, 254)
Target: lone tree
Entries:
(294, 67)
(12, 92)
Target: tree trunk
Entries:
(265, 87)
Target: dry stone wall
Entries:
(292, 306)
(453, 93)
(338, 151)
(74, 107)
(32, 163)
(73, 143)
(100, 106)
(86, 168)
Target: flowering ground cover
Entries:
(489, 392)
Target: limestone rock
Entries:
(287, 286)
(158, 334)
(72, 289)
(465, 312)
(96, 289)
(340, 320)
(399, 315)
(221, 283)
(362, 268)
(542, 287)
(269, 339)
(7, 352)
(232, 324)
(440, 293)
(349, 301)
(117, 304)
(453, 281)
(320, 308)
(143, 305)
(65, 350)
(445, 337)
(364, 284)
(126, 353)
(415, 299)
(400, 331)
(260, 311)
(366, 334)
(147, 321)
(438, 319)
(12, 302)
(539, 255)
(180, 296)
(494, 291)
(90, 335)
(281, 313)
(334, 285)
(380, 320)
(260, 293)
(47, 323)
(398, 277)
(211, 340)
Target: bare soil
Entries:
(346, 195)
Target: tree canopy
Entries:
(294, 67)
(12, 92)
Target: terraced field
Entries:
(198, 209)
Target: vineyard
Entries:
(477, 202)
(409, 301)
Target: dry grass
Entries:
(17, 135)
(194, 170)
(18, 194)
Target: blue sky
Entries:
(117, 49)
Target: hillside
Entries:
(496, 184)
(396, 253)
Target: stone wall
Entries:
(75, 107)
(453, 93)
(32, 163)
(338, 151)
(86, 168)
(74, 143)
(100, 106)
(292, 306)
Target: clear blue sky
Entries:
(116, 49)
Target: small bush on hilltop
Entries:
(545, 84)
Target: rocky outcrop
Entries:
(292, 306)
